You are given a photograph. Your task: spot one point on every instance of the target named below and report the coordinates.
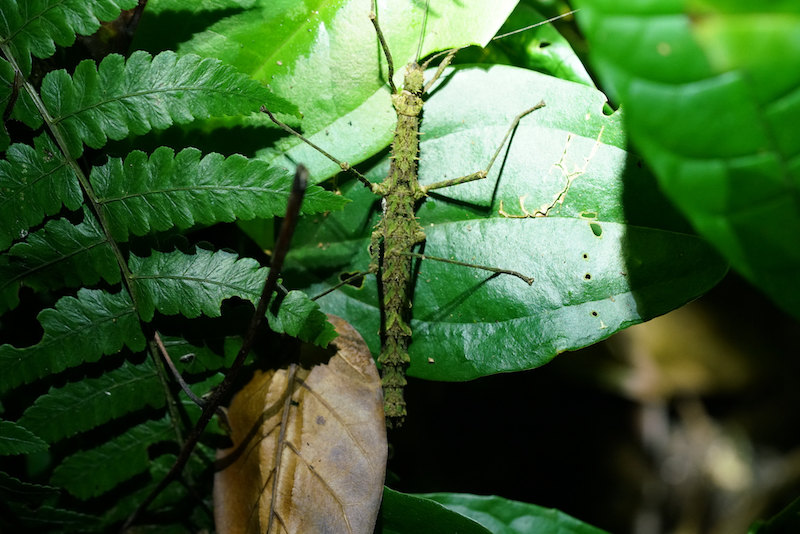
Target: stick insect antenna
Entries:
(373, 17)
(422, 31)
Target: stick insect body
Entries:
(398, 232)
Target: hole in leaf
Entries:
(587, 276)
(597, 230)
(595, 314)
(585, 256)
(544, 44)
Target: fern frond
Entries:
(36, 26)
(81, 406)
(113, 462)
(121, 97)
(34, 182)
(193, 284)
(167, 190)
(78, 330)
(60, 254)
(16, 439)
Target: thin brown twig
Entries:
(216, 397)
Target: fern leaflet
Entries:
(142, 195)
(80, 406)
(36, 26)
(16, 439)
(78, 330)
(34, 182)
(124, 457)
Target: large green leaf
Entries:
(36, 26)
(60, 254)
(81, 406)
(710, 91)
(503, 516)
(323, 56)
(609, 254)
(541, 48)
(78, 330)
(123, 97)
(406, 514)
(34, 182)
(145, 194)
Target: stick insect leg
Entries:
(345, 166)
(482, 174)
(342, 283)
(527, 279)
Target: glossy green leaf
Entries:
(34, 182)
(78, 330)
(323, 56)
(60, 254)
(503, 516)
(610, 252)
(81, 406)
(123, 97)
(541, 48)
(112, 462)
(166, 190)
(402, 513)
(36, 26)
(711, 99)
(16, 439)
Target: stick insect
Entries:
(398, 233)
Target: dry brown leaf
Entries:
(309, 447)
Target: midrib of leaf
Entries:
(137, 94)
(204, 281)
(188, 189)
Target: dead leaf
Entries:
(309, 447)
